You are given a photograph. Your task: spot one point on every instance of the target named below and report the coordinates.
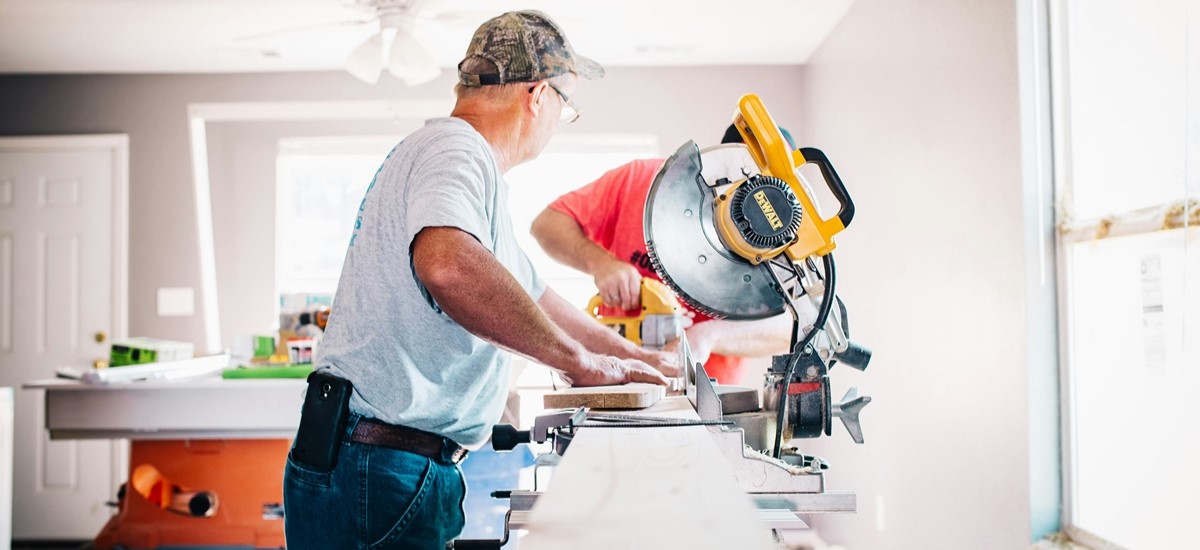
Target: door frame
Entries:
(117, 145)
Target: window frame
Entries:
(1140, 221)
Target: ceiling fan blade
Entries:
(411, 61)
(366, 61)
(460, 17)
(301, 28)
(474, 18)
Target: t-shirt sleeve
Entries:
(593, 205)
(449, 190)
(537, 286)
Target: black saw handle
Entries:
(833, 181)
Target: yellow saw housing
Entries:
(776, 212)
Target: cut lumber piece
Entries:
(628, 396)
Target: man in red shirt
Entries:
(598, 229)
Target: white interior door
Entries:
(61, 301)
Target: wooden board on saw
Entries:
(628, 396)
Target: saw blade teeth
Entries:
(679, 293)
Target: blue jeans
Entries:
(375, 497)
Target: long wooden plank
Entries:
(622, 488)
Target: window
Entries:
(321, 182)
(1127, 142)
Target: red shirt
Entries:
(610, 211)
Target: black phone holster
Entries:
(322, 421)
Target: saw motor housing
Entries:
(766, 214)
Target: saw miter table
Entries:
(734, 230)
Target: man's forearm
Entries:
(587, 331)
(619, 283)
(475, 290)
(562, 239)
(760, 338)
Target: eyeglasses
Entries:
(570, 112)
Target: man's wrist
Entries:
(595, 263)
(575, 361)
(641, 354)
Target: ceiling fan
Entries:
(395, 46)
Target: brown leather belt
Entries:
(402, 438)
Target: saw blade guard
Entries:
(682, 240)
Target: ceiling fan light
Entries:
(366, 61)
(410, 61)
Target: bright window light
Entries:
(321, 184)
(322, 181)
(1128, 104)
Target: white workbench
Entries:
(620, 488)
(210, 408)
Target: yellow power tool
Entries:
(735, 231)
(657, 322)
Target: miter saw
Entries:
(735, 232)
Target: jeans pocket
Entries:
(300, 474)
(398, 484)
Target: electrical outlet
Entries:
(879, 513)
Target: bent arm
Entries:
(561, 237)
(759, 338)
(478, 293)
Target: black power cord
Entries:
(827, 301)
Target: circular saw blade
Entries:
(682, 240)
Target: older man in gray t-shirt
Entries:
(420, 367)
(433, 297)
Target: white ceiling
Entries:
(201, 36)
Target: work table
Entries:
(645, 488)
(209, 408)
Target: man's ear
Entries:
(537, 97)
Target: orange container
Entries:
(245, 476)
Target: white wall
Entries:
(6, 466)
(916, 103)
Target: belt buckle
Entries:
(458, 455)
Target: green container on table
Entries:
(283, 371)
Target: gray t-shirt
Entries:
(409, 362)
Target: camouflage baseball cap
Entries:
(525, 46)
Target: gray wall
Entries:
(916, 103)
(677, 104)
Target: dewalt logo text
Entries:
(768, 210)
